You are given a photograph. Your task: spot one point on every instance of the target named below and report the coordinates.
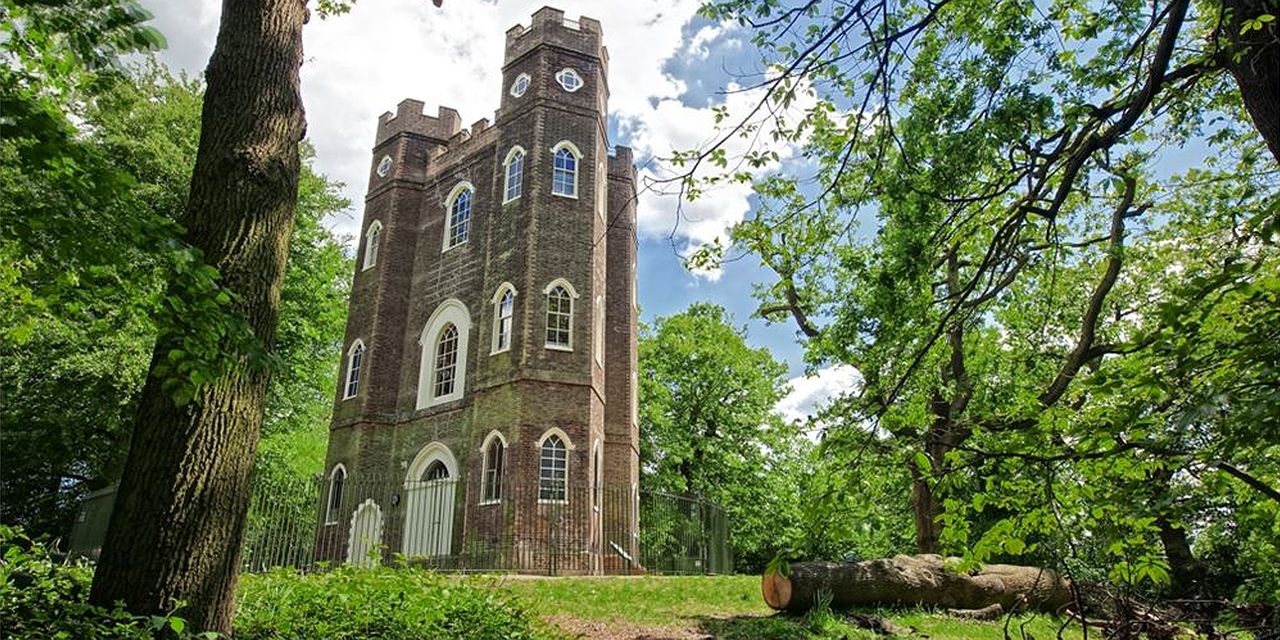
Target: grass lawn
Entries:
(653, 607)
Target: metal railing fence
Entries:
(446, 525)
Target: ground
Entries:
(680, 608)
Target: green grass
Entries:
(727, 607)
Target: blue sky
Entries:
(668, 68)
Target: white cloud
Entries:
(362, 64)
(810, 393)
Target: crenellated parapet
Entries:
(549, 26)
(622, 164)
(409, 118)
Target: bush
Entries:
(41, 598)
(387, 604)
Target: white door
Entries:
(364, 547)
(429, 516)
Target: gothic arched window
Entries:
(493, 454)
(372, 239)
(446, 366)
(514, 174)
(355, 358)
(553, 469)
(337, 482)
(504, 302)
(564, 172)
(560, 296)
(443, 365)
(459, 215)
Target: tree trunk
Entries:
(180, 511)
(916, 580)
(925, 510)
(1254, 62)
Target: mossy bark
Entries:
(180, 511)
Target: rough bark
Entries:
(1254, 61)
(179, 516)
(916, 580)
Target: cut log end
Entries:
(776, 589)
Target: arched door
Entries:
(431, 485)
(365, 540)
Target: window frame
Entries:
(462, 187)
(485, 468)
(516, 82)
(546, 313)
(517, 153)
(494, 342)
(568, 448)
(439, 367)
(451, 311)
(576, 154)
(332, 513)
(355, 363)
(372, 244)
(570, 71)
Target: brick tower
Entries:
(486, 406)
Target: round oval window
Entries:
(384, 166)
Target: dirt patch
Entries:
(620, 630)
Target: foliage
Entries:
(1046, 236)
(43, 599)
(71, 384)
(352, 603)
(708, 428)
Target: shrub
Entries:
(41, 598)
(387, 604)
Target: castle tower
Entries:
(485, 411)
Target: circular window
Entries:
(569, 79)
(384, 166)
(520, 85)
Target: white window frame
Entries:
(577, 167)
(451, 311)
(516, 93)
(332, 513)
(484, 466)
(384, 166)
(457, 190)
(372, 242)
(495, 348)
(576, 76)
(357, 348)
(568, 456)
(602, 191)
(516, 151)
(573, 297)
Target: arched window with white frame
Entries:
(458, 214)
(372, 240)
(560, 296)
(564, 172)
(504, 302)
(513, 170)
(553, 466)
(493, 456)
(337, 483)
(443, 365)
(355, 360)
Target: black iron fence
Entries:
(449, 525)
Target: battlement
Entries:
(622, 163)
(409, 118)
(549, 26)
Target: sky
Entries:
(668, 69)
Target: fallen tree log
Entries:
(915, 580)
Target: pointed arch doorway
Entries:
(430, 487)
